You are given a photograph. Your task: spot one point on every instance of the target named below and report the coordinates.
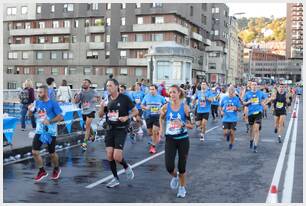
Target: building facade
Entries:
(77, 41)
(294, 30)
(233, 46)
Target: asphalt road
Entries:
(214, 173)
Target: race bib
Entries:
(154, 110)
(202, 103)
(86, 105)
(113, 116)
(230, 108)
(279, 105)
(174, 127)
(255, 100)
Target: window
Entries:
(138, 72)
(72, 70)
(18, 40)
(204, 7)
(39, 55)
(11, 11)
(12, 55)
(215, 10)
(122, 54)
(95, 6)
(98, 38)
(157, 37)
(67, 55)
(54, 71)
(123, 5)
(27, 40)
(52, 8)
(159, 20)
(87, 38)
(38, 9)
(124, 38)
(25, 55)
(216, 32)
(12, 85)
(109, 71)
(138, 5)
(107, 54)
(76, 23)
(212, 65)
(204, 19)
(17, 71)
(68, 7)
(73, 39)
(92, 55)
(40, 70)
(26, 70)
(107, 38)
(108, 6)
(99, 22)
(55, 24)
(53, 55)
(24, 10)
(55, 39)
(108, 21)
(10, 70)
(157, 5)
(123, 21)
(66, 23)
(27, 25)
(191, 10)
(87, 71)
(139, 20)
(139, 37)
(124, 71)
(41, 24)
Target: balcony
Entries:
(96, 45)
(160, 27)
(136, 62)
(29, 47)
(30, 32)
(139, 45)
(196, 36)
(95, 29)
(217, 48)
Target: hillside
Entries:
(262, 29)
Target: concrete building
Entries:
(233, 46)
(240, 60)
(77, 41)
(294, 30)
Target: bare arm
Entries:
(162, 116)
(188, 122)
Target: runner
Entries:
(215, 103)
(88, 98)
(152, 103)
(255, 101)
(117, 117)
(280, 101)
(229, 107)
(48, 114)
(122, 90)
(246, 89)
(176, 116)
(204, 98)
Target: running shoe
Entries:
(93, 138)
(41, 175)
(251, 144)
(152, 149)
(84, 146)
(230, 146)
(56, 174)
(129, 173)
(181, 192)
(113, 183)
(275, 130)
(279, 139)
(174, 183)
(202, 137)
(255, 149)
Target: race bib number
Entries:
(174, 127)
(279, 105)
(255, 100)
(230, 108)
(86, 105)
(113, 116)
(154, 110)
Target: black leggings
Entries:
(214, 110)
(173, 145)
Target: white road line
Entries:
(289, 175)
(280, 162)
(133, 166)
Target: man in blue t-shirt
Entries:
(229, 106)
(255, 100)
(48, 114)
(152, 104)
(204, 97)
(214, 103)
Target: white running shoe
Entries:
(113, 183)
(181, 192)
(174, 183)
(129, 173)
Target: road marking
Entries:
(280, 161)
(289, 175)
(133, 166)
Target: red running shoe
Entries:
(41, 175)
(152, 150)
(56, 174)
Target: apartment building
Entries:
(77, 41)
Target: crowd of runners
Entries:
(167, 114)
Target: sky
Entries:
(258, 9)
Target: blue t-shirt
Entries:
(154, 103)
(51, 94)
(299, 90)
(128, 94)
(203, 103)
(256, 98)
(137, 97)
(215, 102)
(46, 110)
(228, 105)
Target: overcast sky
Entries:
(258, 9)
